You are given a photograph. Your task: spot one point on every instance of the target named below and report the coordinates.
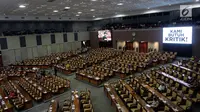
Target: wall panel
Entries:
(67, 46)
(35, 52)
(59, 37)
(42, 50)
(31, 40)
(70, 37)
(18, 55)
(13, 42)
(46, 40)
(30, 53)
(83, 36)
(8, 57)
(24, 53)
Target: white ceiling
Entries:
(103, 8)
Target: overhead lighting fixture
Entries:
(22, 6)
(170, 4)
(119, 15)
(79, 12)
(77, 15)
(55, 11)
(148, 8)
(94, 0)
(67, 7)
(197, 0)
(92, 9)
(120, 4)
(93, 16)
(98, 18)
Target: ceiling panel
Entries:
(102, 8)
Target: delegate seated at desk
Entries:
(162, 88)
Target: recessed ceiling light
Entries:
(77, 15)
(79, 12)
(67, 7)
(93, 0)
(92, 9)
(120, 4)
(55, 11)
(22, 6)
(197, 0)
(93, 16)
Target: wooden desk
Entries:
(28, 100)
(115, 99)
(8, 106)
(175, 90)
(76, 103)
(137, 97)
(161, 97)
(187, 69)
(175, 79)
(53, 106)
(93, 80)
(45, 93)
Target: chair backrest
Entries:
(179, 99)
(166, 108)
(188, 103)
(174, 94)
(191, 91)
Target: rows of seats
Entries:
(46, 60)
(67, 106)
(181, 74)
(97, 72)
(192, 93)
(93, 56)
(128, 99)
(148, 96)
(170, 92)
(86, 104)
(15, 96)
(31, 89)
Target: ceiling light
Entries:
(67, 7)
(148, 8)
(120, 4)
(22, 6)
(98, 18)
(77, 15)
(93, 0)
(92, 9)
(93, 16)
(120, 15)
(55, 11)
(197, 0)
(170, 4)
(79, 12)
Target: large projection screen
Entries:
(177, 35)
(104, 35)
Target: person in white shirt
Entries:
(161, 88)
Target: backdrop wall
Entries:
(150, 35)
(14, 52)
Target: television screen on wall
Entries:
(104, 35)
(177, 35)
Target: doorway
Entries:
(143, 47)
(129, 45)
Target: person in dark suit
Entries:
(55, 71)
